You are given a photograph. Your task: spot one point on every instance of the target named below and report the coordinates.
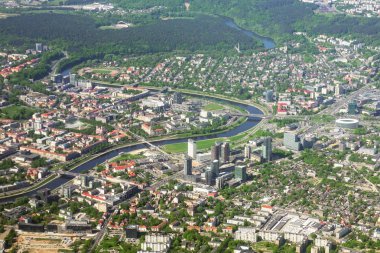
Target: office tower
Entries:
(215, 169)
(177, 98)
(352, 108)
(269, 96)
(84, 181)
(247, 152)
(39, 47)
(215, 151)
(73, 78)
(339, 90)
(241, 173)
(292, 141)
(267, 149)
(66, 191)
(188, 166)
(208, 177)
(192, 148)
(225, 152)
(219, 182)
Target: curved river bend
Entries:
(57, 182)
(268, 44)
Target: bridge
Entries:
(263, 116)
(69, 173)
(142, 139)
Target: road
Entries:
(334, 108)
(54, 67)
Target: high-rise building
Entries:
(73, 79)
(339, 90)
(219, 182)
(177, 98)
(192, 148)
(248, 152)
(267, 149)
(225, 152)
(352, 108)
(241, 173)
(208, 177)
(215, 151)
(292, 141)
(39, 47)
(188, 166)
(269, 96)
(215, 169)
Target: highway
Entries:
(341, 102)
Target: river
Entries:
(268, 42)
(111, 154)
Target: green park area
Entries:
(213, 107)
(17, 112)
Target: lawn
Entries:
(182, 147)
(212, 107)
(17, 112)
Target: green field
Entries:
(17, 112)
(182, 147)
(212, 107)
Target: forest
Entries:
(78, 33)
(275, 18)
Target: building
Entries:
(267, 149)
(73, 79)
(215, 169)
(247, 234)
(188, 166)
(39, 47)
(177, 98)
(57, 78)
(339, 90)
(352, 108)
(225, 152)
(192, 148)
(131, 232)
(269, 96)
(241, 173)
(347, 123)
(247, 151)
(219, 182)
(292, 141)
(216, 151)
(208, 177)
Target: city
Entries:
(244, 144)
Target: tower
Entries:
(215, 151)
(247, 152)
(192, 148)
(269, 96)
(215, 169)
(188, 166)
(187, 5)
(73, 79)
(225, 152)
(267, 149)
(39, 47)
(177, 98)
(208, 177)
(241, 173)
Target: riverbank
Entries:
(54, 182)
